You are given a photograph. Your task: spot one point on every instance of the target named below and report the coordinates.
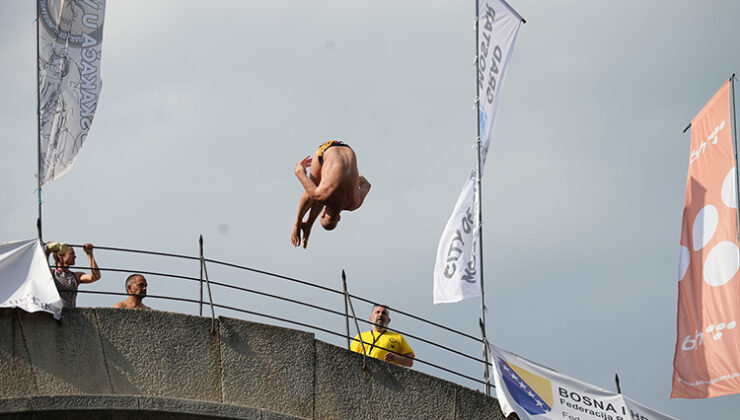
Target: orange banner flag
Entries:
(707, 358)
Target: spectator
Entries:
(136, 289)
(379, 340)
(65, 280)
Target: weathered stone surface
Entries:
(12, 405)
(71, 402)
(384, 390)
(476, 405)
(97, 414)
(174, 405)
(268, 367)
(66, 355)
(160, 354)
(127, 407)
(15, 367)
(130, 364)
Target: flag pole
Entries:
(480, 261)
(38, 120)
(479, 206)
(734, 134)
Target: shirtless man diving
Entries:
(334, 184)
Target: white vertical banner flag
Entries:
(537, 392)
(25, 278)
(70, 40)
(456, 274)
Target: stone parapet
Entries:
(133, 364)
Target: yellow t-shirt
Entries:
(377, 343)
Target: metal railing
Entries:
(204, 280)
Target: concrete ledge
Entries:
(160, 354)
(16, 370)
(267, 366)
(131, 364)
(66, 355)
(384, 390)
(126, 407)
(83, 402)
(476, 405)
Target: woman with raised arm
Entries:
(66, 280)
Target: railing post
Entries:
(200, 305)
(346, 310)
(204, 270)
(357, 325)
(486, 373)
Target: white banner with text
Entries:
(536, 392)
(70, 40)
(456, 271)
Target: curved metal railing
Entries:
(463, 357)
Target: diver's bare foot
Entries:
(306, 233)
(295, 237)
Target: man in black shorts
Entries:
(333, 184)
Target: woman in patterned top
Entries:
(66, 280)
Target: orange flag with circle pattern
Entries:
(707, 357)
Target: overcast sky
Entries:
(207, 106)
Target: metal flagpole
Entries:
(479, 208)
(480, 261)
(734, 133)
(38, 119)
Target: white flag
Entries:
(456, 274)
(25, 278)
(70, 40)
(536, 392)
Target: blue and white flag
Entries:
(456, 273)
(70, 40)
(537, 392)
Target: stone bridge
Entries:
(131, 364)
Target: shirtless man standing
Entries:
(334, 184)
(136, 289)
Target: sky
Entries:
(207, 106)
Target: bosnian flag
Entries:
(536, 392)
(531, 392)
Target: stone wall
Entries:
(129, 364)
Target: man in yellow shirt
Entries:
(383, 344)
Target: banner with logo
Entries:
(707, 356)
(537, 392)
(456, 274)
(25, 278)
(70, 39)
